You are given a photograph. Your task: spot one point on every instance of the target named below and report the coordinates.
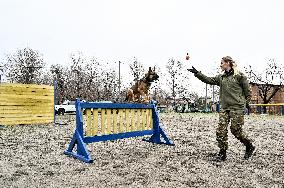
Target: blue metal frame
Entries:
(78, 138)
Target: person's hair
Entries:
(229, 59)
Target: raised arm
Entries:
(208, 80)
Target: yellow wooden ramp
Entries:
(26, 104)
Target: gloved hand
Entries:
(193, 70)
(247, 106)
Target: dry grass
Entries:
(32, 156)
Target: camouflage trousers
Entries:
(237, 122)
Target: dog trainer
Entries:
(235, 95)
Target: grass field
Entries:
(32, 156)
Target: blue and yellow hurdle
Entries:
(97, 122)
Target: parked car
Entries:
(66, 107)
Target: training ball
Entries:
(187, 57)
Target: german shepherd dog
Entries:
(140, 89)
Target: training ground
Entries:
(32, 156)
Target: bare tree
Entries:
(137, 69)
(92, 84)
(24, 66)
(76, 88)
(269, 82)
(86, 79)
(176, 80)
(46, 77)
(57, 72)
(109, 84)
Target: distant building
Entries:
(276, 99)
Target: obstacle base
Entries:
(82, 151)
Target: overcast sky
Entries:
(251, 31)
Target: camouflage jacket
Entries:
(234, 91)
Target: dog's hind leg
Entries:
(129, 96)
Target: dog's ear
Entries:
(150, 69)
(154, 68)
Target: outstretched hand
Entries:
(193, 70)
(247, 106)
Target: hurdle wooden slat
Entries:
(122, 120)
(127, 119)
(88, 122)
(138, 120)
(151, 119)
(119, 120)
(143, 119)
(103, 127)
(132, 124)
(95, 122)
(132, 121)
(115, 120)
(109, 123)
(147, 119)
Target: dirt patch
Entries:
(32, 156)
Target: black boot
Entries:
(249, 151)
(222, 155)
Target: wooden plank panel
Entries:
(25, 115)
(8, 112)
(25, 94)
(25, 107)
(26, 120)
(26, 104)
(15, 85)
(16, 94)
(28, 117)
